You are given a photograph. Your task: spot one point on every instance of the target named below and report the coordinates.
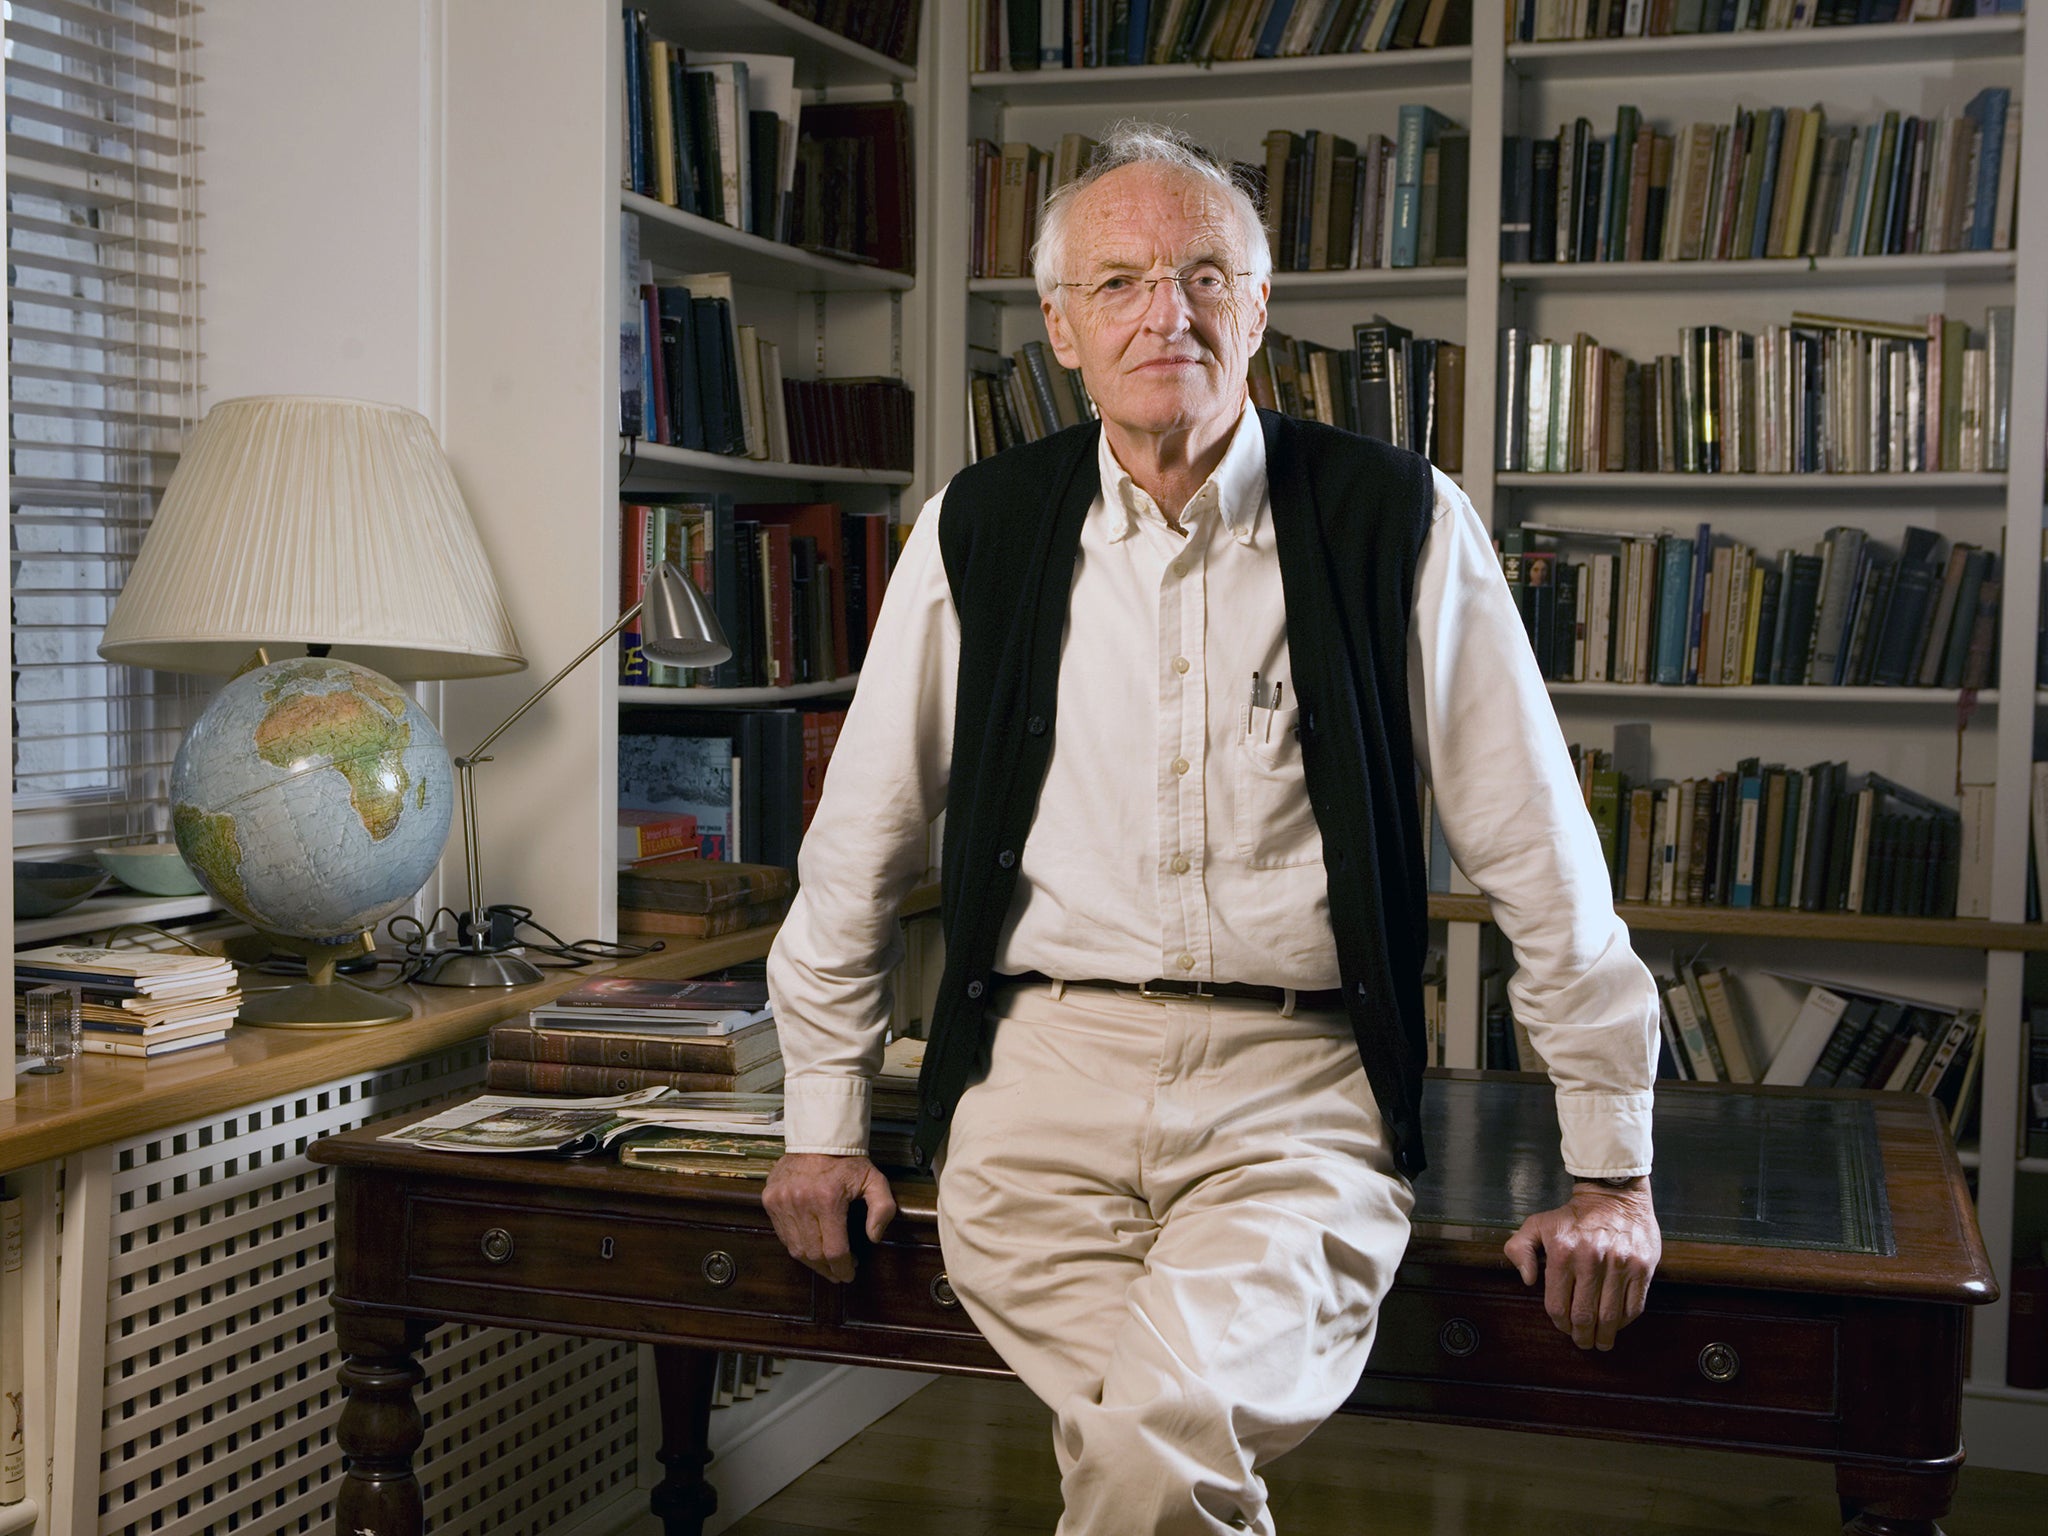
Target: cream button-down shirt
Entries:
(1174, 836)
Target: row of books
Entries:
(887, 26)
(1776, 182)
(751, 777)
(1024, 398)
(1705, 610)
(1766, 836)
(714, 134)
(1391, 384)
(1012, 182)
(1846, 1038)
(726, 137)
(797, 586)
(1826, 394)
(137, 1002)
(1401, 202)
(1543, 21)
(693, 377)
(702, 898)
(1091, 34)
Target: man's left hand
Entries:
(1596, 1255)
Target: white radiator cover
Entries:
(221, 1397)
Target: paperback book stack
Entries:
(617, 1035)
(700, 899)
(138, 1002)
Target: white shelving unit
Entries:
(1494, 89)
(533, 336)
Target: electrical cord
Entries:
(504, 923)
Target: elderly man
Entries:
(1171, 680)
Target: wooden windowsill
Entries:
(111, 1098)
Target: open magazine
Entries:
(577, 1127)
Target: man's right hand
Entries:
(807, 1196)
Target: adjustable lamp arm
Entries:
(476, 753)
(465, 768)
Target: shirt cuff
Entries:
(827, 1114)
(1604, 1135)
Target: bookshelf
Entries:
(1911, 734)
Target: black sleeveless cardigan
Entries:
(1349, 518)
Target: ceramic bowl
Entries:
(152, 868)
(44, 890)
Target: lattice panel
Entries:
(221, 1398)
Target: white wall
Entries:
(320, 174)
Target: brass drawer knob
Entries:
(1719, 1362)
(497, 1245)
(942, 1291)
(1458, 1338)
(719, 1268)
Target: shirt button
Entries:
(1180, 663)
(1179, 567)
(1187, 962)
(1180, 863)
(1180, 765)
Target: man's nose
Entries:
(1169, 309)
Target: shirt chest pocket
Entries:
(1274, 825)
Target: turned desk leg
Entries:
(1878, 1502)
(685, 1378)
(380, 1426)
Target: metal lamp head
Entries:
(677, 626)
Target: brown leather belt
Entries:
(1164, 989)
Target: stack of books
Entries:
(1391, 384)
(617, 1035)
(700, 899)
(138, 1002)
(1399, 202)
(1024, 397)
(1011, 184)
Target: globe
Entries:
(312, 798)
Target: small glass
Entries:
(52, 1026)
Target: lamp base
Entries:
(476, 968)
(309, 1005)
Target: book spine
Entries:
(596, 1048)
(554, 1077)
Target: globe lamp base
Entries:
(320, 1001)
(476, 968)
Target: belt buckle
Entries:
(1151, 990)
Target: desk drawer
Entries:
(1709, 1357)
(904, 1285)
(608, 1255)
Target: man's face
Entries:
(1172, 361)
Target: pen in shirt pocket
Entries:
(1262, 699)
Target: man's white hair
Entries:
(1135, 142)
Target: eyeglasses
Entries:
(1125, 296)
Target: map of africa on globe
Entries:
(312, 798)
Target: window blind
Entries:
(102, 337)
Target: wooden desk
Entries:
(1821, 1352)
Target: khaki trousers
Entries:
(1175, 1221)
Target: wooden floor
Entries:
(974, 1458)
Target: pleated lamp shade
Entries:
(297, 520)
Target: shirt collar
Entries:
(1236, 487)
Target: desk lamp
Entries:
(313, 797)
(678, 628)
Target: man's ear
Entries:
(1256, 332)
(1060, 334)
